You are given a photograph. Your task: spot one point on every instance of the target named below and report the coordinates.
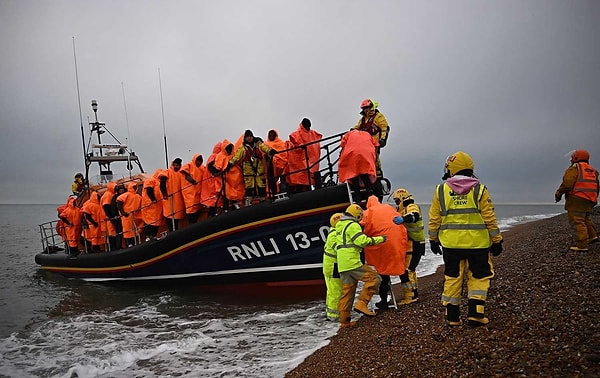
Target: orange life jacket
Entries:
(586, 185)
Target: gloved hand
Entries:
(125, 214)
(95, 223)
(382, 143)
(272, 152)
(398, 219)
(436, 247)
(384, 238)
(557, 196)
(496, 248)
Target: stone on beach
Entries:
(543, 306)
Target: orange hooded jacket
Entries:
(92, 233)
(106, 199)
(358, 156)
(132, 203)
(297, 157)
(234, 181)
(173, 205)
(73, 229)
(192, 194)
(210, 182)
(388, 258)
(152, 212)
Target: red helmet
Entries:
(367, 103)
(580, 155)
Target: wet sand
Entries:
(544, 313)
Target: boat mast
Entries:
(80, 114)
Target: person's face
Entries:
(272, 135)
(199, 161)
(176, 167)
(368, 110)
(249, 139)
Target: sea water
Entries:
(53, 327)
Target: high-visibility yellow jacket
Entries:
(463, 221)
(330, 252)
(416, 230)
(350, 242)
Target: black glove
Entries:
(382, 143)
(436, 247)
(272, 152)
(95, 223)
(496, 248)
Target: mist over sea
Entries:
(53, 327)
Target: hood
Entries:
(131, 187)
(157, 173)
(94, 198)
(372, 201)
(462, 184)
(111, 187)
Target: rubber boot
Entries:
(345, 319)
(476, 317)
(384, 288)
(453, 315)
(361, 306)
(409, 294)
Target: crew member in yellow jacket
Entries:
(413, 221)
(462, 221)
(331, 272)
(350, 242)
(373, 122)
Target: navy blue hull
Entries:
(277, 243)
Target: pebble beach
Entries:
(543, 306)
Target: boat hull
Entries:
(273, 243)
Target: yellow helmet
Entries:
(401, 195)
(356, 211)
(457, 162)
(334, 219)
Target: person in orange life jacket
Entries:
(210, 183)
(115, 216)
(92, 215)
(462, 221)
(357, 162)
(230, 187)
(374, 122)
(387, 258)
(170, 187)
(60, 229)
(79, 184)
(105, 203)
(350, 242)
(412, 219)
(152, 213)
(252, 153)
(193, 172)
(130, 204)
(580, 187)
(277, 164)
(71, 216)
(303, 163)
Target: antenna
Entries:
(126, 118)
(162, 108)
(80, 114)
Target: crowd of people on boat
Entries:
(236, 174)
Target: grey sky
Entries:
(514, 83)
